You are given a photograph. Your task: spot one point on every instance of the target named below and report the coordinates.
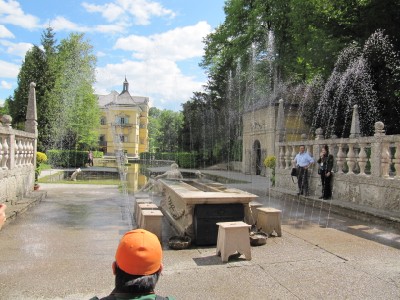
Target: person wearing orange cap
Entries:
(2, 214)
(137, 267)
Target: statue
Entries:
(73, 176)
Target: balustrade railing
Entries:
(16, 148)
(377, 156)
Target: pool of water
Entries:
(136, 176)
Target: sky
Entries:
(156, 44)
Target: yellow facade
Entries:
(124, 123)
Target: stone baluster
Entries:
(6, 155)
(30, 161)
(22, 151)
(281, 158)
(362, 159)
(17, 153)
(293, 156)
(340, 159)
(385, 160)
(351, 159)
(287, 158)
(396, 160)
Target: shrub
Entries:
(183, 159)
(270, 163)
(67, 158)
(40, 157)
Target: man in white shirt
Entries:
(303, 161)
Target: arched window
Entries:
(103, 121)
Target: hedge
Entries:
(183, 159)
(67, 158)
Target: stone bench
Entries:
(151, 220)
(269, 220)
(136, 208)
(233, 237)
(142, 207)
(251, 212)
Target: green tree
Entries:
(164, 129)
(76, 113)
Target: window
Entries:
(123, 138)
(121, 120)
(103, 121)
(102, 138)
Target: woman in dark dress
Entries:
(325, 171)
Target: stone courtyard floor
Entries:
(63, 247)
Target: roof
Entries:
(122, 99)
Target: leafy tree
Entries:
(164, 129)
(75, 117)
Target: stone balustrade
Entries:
(18, 154)
(377, 155)
(366, 169)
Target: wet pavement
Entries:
(63, 247)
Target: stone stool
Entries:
(269, 219)
(233, 237)
(142, 207)
(251, 212)
(137, 202)
(151, 220)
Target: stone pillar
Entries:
(355, 123)
(279, 129)
(31, 118)
(376, 150)
(319, 136)
(280, 123)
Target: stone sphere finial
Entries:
(281, 100)
(6, 120)
(32, 84)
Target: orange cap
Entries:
(139, 253)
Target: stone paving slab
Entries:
(307, 262)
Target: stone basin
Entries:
(180, 198)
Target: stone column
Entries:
(376, 150)
(31, 119)
(355, 123)
(279, 129)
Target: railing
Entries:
(376, 156)
(17, 148)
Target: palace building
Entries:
(123, 123)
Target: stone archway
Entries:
(257, 165)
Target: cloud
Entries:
(18, 49)
(5, 33)
(11, 13)
(5, 85)
(160, 79)
(61, 23)
(178, 44)
(8, 70)
(141, 10)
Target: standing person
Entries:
(303, 161)
(325, 171)
(2, 214)
(90, 158)
(137, 267)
